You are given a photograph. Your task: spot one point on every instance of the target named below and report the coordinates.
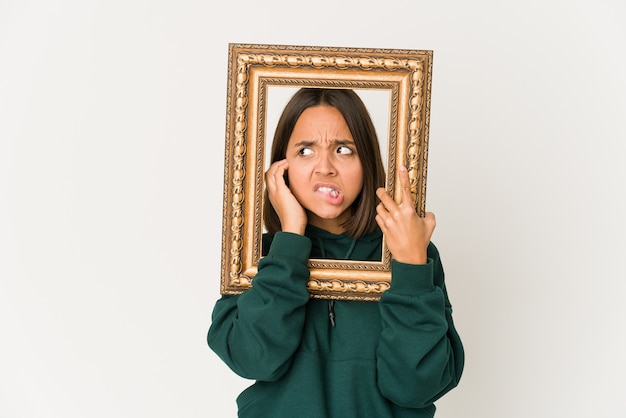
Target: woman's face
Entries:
(325, 172)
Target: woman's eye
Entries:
(344, 150)
(305, 151)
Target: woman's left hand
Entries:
(406, 233)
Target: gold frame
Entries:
(251, 69)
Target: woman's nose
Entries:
(325, 165)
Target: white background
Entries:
(112, 121)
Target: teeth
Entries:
(329, 190)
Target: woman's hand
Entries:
(406, 233)
(291, 214)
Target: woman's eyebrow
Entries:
(304, 144)
(333, 142)
(343, 142)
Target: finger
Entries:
(381, 224)
(385, 199)
(382, 211)
(274, 175)
(385, 218)
(278, 166)
(280, 169)
(405, 183)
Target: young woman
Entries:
(346, 359)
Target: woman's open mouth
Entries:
(330, 194)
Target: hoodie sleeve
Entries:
(257, 332)
(420, 356)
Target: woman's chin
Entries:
(336, 218)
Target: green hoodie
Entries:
(392, 358)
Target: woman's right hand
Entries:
(291, 214)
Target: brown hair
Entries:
(363, 219)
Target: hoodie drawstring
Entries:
(331, 302)
(331, 312)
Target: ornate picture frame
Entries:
(255, 69)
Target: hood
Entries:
(344, 247)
